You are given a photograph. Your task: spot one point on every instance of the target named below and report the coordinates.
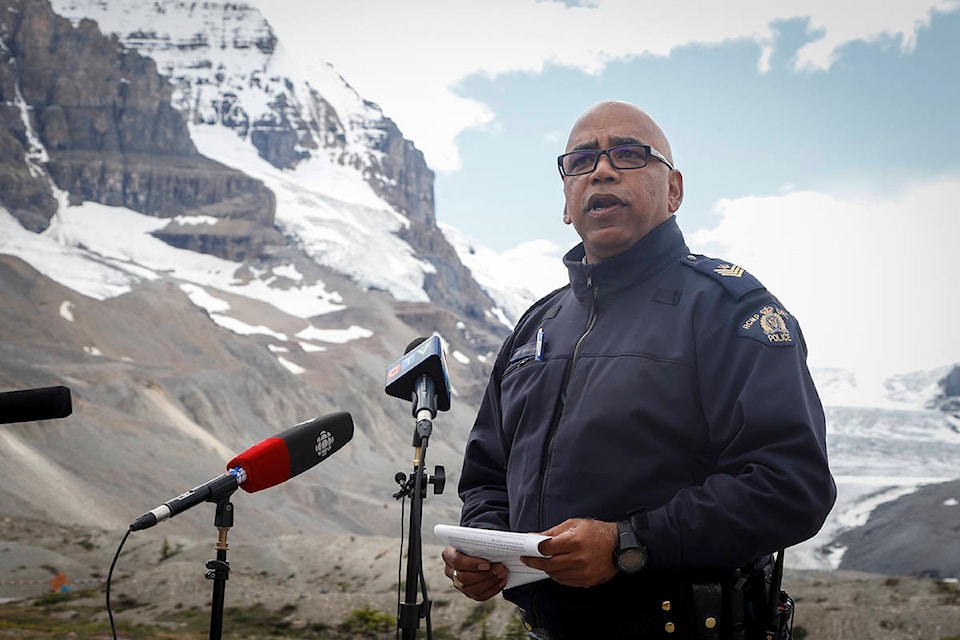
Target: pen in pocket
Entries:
(540, 344)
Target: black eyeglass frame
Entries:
(648, 151)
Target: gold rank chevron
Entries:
(729, 270)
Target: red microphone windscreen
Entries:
(267, 464)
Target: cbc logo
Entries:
(325, 442)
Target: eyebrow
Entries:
(615, 141)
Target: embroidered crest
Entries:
(771, 325)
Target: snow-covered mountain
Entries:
(264, 311)
(193, 329)
(342, 174)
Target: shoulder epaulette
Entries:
(734, 279)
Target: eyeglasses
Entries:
(627, 156)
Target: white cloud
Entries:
(842, 22)
(410, 57)
(872, 280)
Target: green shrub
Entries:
(367, 621)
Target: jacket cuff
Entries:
(653, 529)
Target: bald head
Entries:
(621, 113)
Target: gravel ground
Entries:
(323, 578)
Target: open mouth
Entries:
(601, 202)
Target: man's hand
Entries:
(476, 578)
(581, 552)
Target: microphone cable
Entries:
(423, 580)
(113, 626)
(403, 504)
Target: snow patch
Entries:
(339, 336)
(199, 297)
(290, 366)
(66, 310)
(242, 328)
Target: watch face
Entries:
(632, 560)
(631, 556)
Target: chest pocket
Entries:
(532, 351)
(520, 357)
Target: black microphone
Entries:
(269, 462)
(421, 376)
(212, 491)
(35, 404)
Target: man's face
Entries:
(610, 208)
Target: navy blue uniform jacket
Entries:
(667, 384)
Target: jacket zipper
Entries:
(552, 434)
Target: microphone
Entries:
(35, 404)
(291, 452)
(421, 376)
(269, 462)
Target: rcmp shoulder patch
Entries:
(734, 279)
(771, 325)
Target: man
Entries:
(655, 417)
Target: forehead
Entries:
(610, 125)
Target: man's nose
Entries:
(604, 169)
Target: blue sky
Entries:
(876, 120)
(818, 140)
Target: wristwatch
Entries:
(630, 556)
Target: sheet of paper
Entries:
(505, 547)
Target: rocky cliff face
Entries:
(949, 401)
(95, 120)
(221, 66)
(951, 383)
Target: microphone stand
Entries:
(414, 487)
(219, 569)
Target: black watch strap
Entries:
(630, 556)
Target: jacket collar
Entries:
(648, 256)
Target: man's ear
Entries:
(675, 195)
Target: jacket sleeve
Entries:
(483, 484)
(771, 486)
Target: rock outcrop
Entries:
(948, 400)
(890, 541)
(94, 118)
